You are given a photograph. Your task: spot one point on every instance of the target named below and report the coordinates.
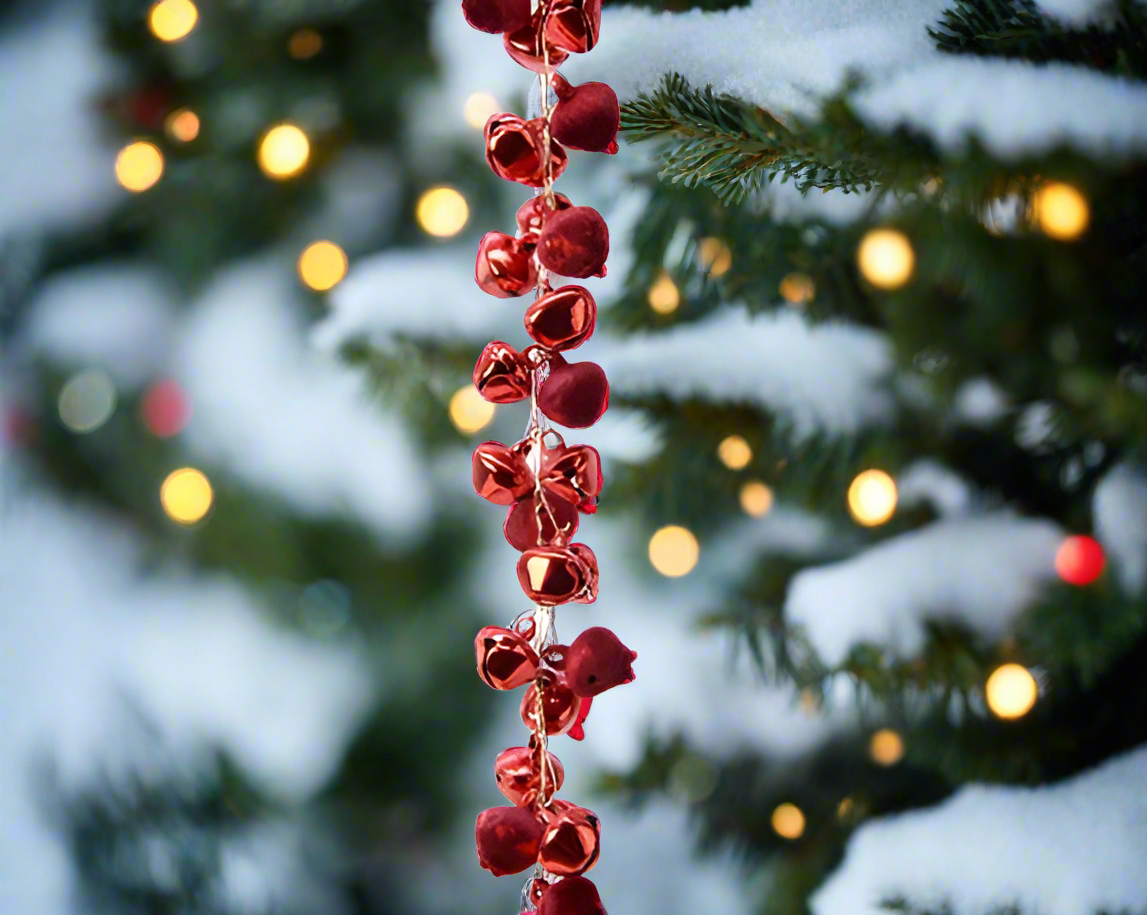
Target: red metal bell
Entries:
(500, 474)
(518, 772)
(586, 116)
(496, 16)
(562, 320)
(574, 24)
(573, 473)
(507, 839)
(532, 214)
(570, 896)
(514, 150)
(597, 661)
(571, 841)
(527, 527)
(502, 374)
(528, 47)
(552, 575)
(505, 266)
(505, 660)
(575, 394)
(559, 705)
(574, 242)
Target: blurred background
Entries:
(242, 563)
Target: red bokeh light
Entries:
(1079, 560)
(165, 408)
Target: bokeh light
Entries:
(734, 452)
(674, 551)
(469, 410)
(139, 165)
(165, 408)
(756, 499)
(478, 109)
(182, 125)
(87, 400)
(872, 498)
(1079, 560)
(886, 747)
(715, 256)
(788, 821)
(322, 265)
(304, 44)
(186, 495)
(1011, 691)
(664, 297)
(442, 212)
(172, 20)
(1061, 211)
(797, 289)
(885, 258)
(284, 151)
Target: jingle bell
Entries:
(597, 661)
(505, 660)
(586, 117)
(574, 24)
(529, 48)
(571, 896)
(507, 840)
(576, 394)
(496, 16)
(505, 266)
(571, 841)
(572, 473)
(526, 526)
(500, 474)
(514, 150)
(552, 575)
(559, 705)
(502, 374)
(574, 242)
(518, 772)
(532, 214)
(563, 319)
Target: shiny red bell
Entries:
(507, 840)
(496, 16)
(573, 473)
(532, 214)
(562, 320)
(514, 150)
(586, 116)
(559, 706)
(574, 242)
(526, 526)
(502, 374)
(505, 266)
(576, 394)
(505, 659)
(528, 47)
(552, 575)
(518, 772)
(571, 841)
(574, 24)
(597, 661)
(570, 896)
(500, 474)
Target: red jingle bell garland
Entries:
(545, 484)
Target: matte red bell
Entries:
(562, 320)
(559, 706)
(573, 473)
(532, 213)
(505, 659)
(508, 839)
(496, 16)
(505, 266)
(597, 661)
(528, 47)
(588, 594)
(518, 772)
(574, 242)
(571, 842)
(501, 474)
(570, 896)
(575, 394)
(574, 24)
(502, 374)
(586, 117)
(514, 150)
(552, 575)
(526, 527)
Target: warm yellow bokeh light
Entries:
(788, 821)
(478, 109)
(715, 256)
(304, 43)
(1011, 691)
(872, 497)
(469, 411)
(885, 258)
(284, 151)
(1061, 211)
(845, 807)
(171, 20)
(886, 747)
(734, 452)
(322, 265)
(756, 499)
(442, 212)
(797, 289)
(674, 551)
(186, 495)
(663, 295)
(182, 125)
(139, 165)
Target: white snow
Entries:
(979, 571)
(1073, 848)
(1078, 12)
(287, 419)
(1119, 509)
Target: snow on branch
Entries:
(1073, 848)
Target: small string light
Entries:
(715, 256)
(788, 821)
(885, 258)
(182, 125)
(734, 452)
(844, 808)
(165, 409)
(1011, 691)
(797, 289)
(186, 495)
(87, 400)
(322, 265)
(663, 295)
(886, 747)
(304, 44)
(172, 20)
(469, 411)
(1079, 560)
(756, 499)
(674, 551)
(284, 151)
(442, 212)
(138, 166)
(1061, 211)
(872, 498)
(478, 108)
